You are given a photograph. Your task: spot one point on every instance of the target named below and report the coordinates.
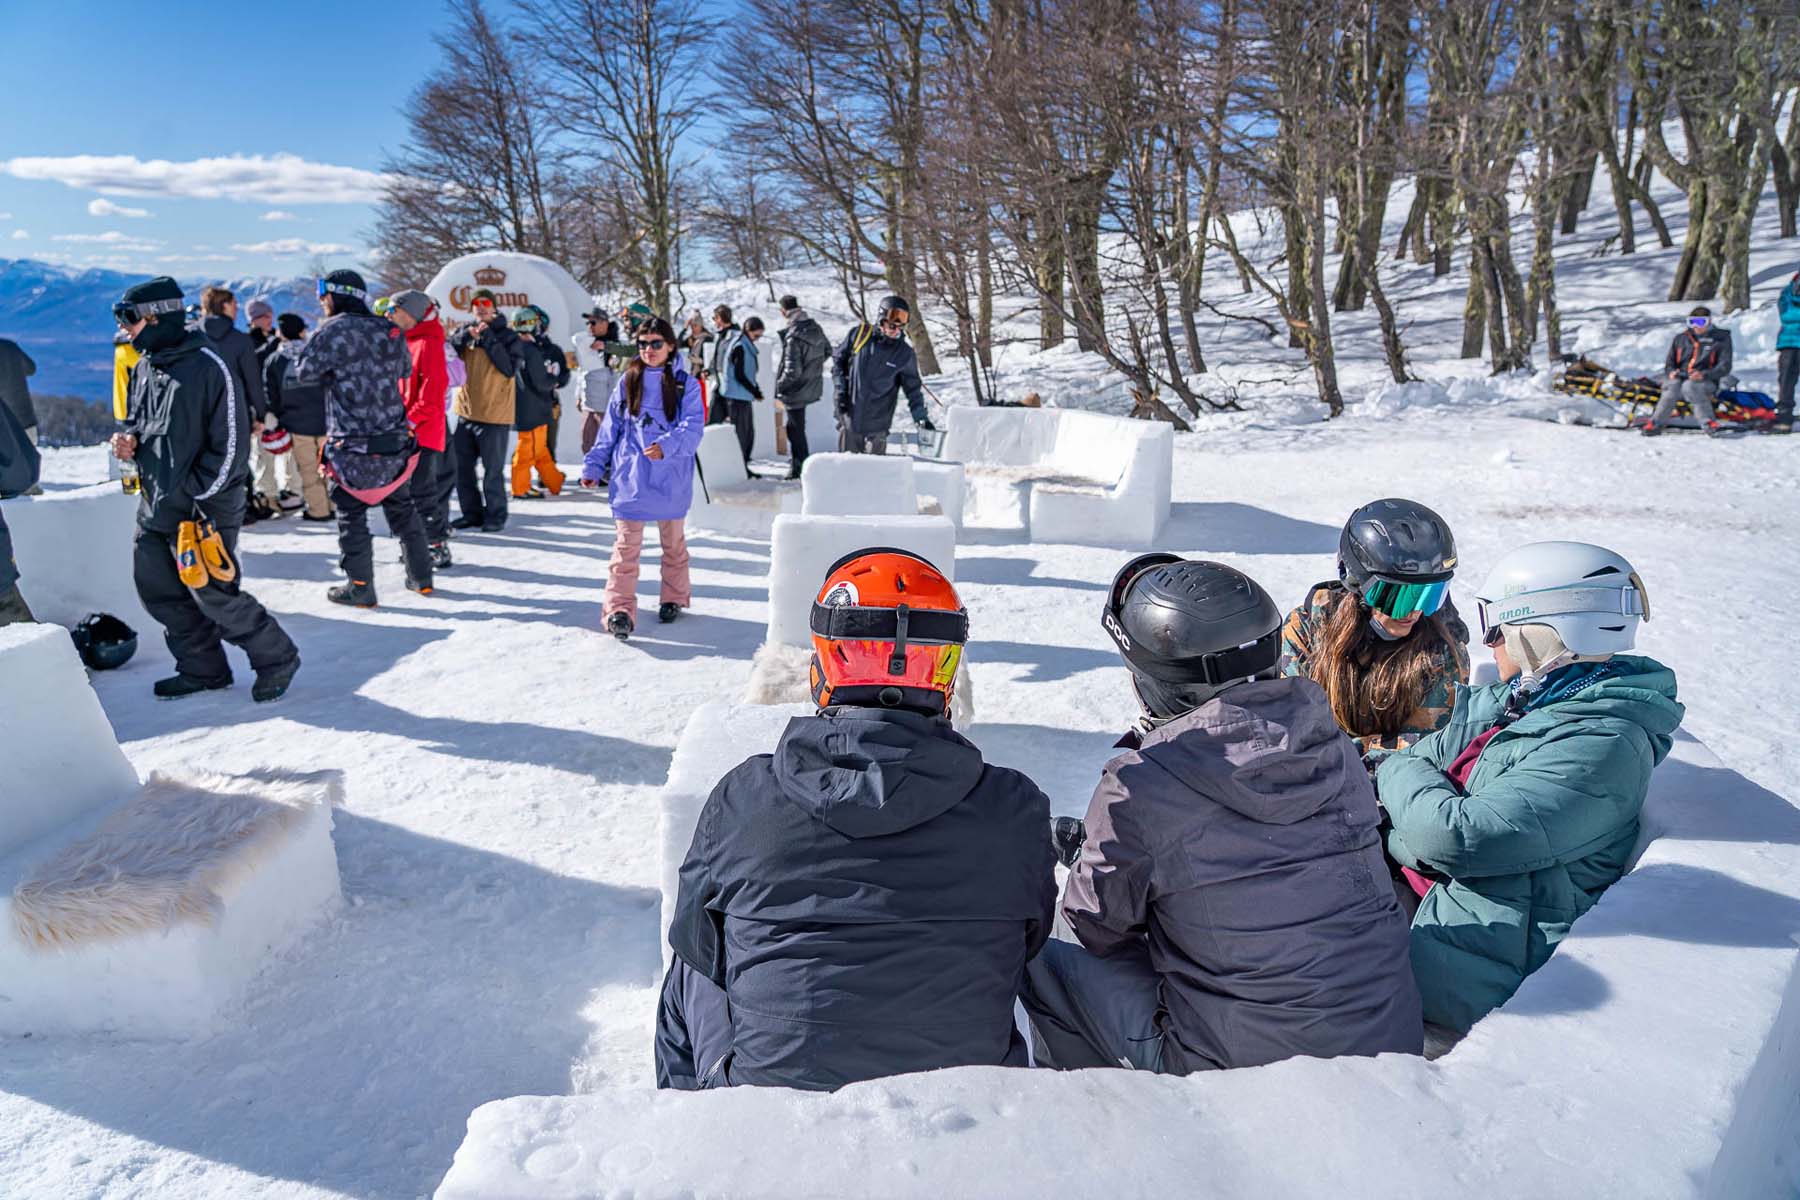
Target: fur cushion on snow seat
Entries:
(782, 674)
(170, 855)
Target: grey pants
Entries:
(13, 608)
(1088, 1011)
(1698, 393)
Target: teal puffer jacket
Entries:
(1547, 824)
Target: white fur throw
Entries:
(781, 674)
(167, 856)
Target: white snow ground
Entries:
(501, 758)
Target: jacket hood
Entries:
(1642, 692)
(192, 340)
(430, 329)
(870, 772)
(1268, 749)
(217, 326)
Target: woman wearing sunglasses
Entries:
(1511, 821)
(644, 455)
(1384, 641)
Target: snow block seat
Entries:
(858, 485)
(731, 501)
(1656, 1054)
(136, 910)
(1063, 475)
(941, 486)
(74, 554)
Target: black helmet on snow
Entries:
(1189, 629)
(104, 642)
(1399, 540)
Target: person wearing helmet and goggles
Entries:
(1229, 894)
(874, 365)
(1512, 820)
(862, 902)
(1384, 640)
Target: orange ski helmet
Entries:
(887, 632)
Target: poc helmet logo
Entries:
(1111, 623)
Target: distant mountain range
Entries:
(63, 318)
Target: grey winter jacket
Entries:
(193, 436)
(869, 380)
(16, 367)
(800, 379)
(1709, 352)
(19, 464)
(1241, 841)
(867, 896)
(239, 353)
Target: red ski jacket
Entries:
(428, 384)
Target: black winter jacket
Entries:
(193, 435)
(542, 369)
(800, 379)
(239, 353)
(16, 367)
(300, 407)
(19, 464)
(869, 380)
(867, 896)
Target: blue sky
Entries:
(202, 139)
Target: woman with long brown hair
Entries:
(1383, 640)
(644, 455)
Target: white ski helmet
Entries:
(1590, 596)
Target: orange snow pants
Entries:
(533, 450)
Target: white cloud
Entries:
(20, 235)
(112, 237)
(5, 216)
(294, 246)
(106, 208)
(278, 215)
(197, 258)
(268, 179)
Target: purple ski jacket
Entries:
(640, 488)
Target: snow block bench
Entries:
(731, 501)
(137, 910)
(74, 554)
(1656, 1054)
(849, 485)
(1063, 475)
(941, 486)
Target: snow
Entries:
(60, 757)
(73, 547)
(942, 488)
(858, 485)
(726, 498)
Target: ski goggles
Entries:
(1213, 668)
(127, 313)
(1527, 608)
(328, 288)
(1403, 600)
(526, 322)
(1699, 322)
(896, 317)
(383, 306)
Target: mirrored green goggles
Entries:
(1403, 600)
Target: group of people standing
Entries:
(1319, 839)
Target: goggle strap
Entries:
(1626, 601)
(897, 660)
(860, 623)
(1220, 666)
(151, 308)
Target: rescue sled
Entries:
(1635, 399)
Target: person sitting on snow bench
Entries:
(862, 902)
(1512, 820)
(1230, 895)
(1699, 357)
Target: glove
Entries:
(1067, 835)
(925, 424)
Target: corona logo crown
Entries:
(489, 277)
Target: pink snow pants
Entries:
(622, 572)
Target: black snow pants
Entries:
(196, 621)
(482, 444)
(693, 1031)
(356, 549)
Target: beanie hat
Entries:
(290, 325)
(348, 292)
(159, 300)
(1701, 311)
(260, 308)
(415, 304)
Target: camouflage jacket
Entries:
(1304, 624)
(360, 360)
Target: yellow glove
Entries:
(187, 555)
(213, 555)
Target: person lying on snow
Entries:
(863, 901)
(1512, 820)
(1230, 897)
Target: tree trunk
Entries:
(1083, 231)
(1474, 304)
(1049, 270)
(1319, 346)
(984, 303)
(1735, 290)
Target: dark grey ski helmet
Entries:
(104, 642)
(1401, 540)
(1189, 629)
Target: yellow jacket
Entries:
(125, 357)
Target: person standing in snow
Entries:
(800, 379)
(218, 307)
(862, 902)
(542, 370)
(1698, 358)
(1383, 640)
(485, 407)
(873, 364)
(1513, 819)
(19, 465)
(725, 335)
(424, 391)
(644, 457)
(301, 407)
(1787, 354)
(1230, 898)
(189, 434)
(738, 387)
(16, 367)
(360, 360)
(599, 354)
(262, 331)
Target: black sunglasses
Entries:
(652, 344)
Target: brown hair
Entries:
(634, 374)
(1374, 685)
(723, 313)
(214, 299)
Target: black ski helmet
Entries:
(1401, 540)
(1189, 628)
(104, 642)
(893, 304)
